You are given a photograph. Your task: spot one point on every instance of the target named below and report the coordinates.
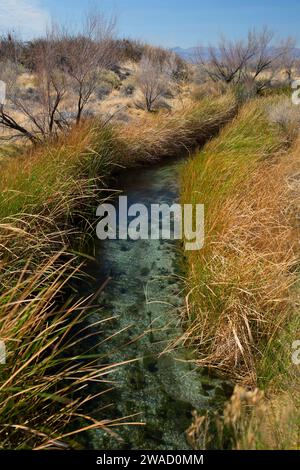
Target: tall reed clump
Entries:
(45, 193)
(47, 196)
(244, 286)
(45, 384)
(241, 284)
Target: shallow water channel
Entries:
(146, 296)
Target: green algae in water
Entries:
(162, 387)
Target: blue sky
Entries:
(165, 22)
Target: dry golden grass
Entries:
(250, 421)
(242, 281)
(244, 299)
(166, 134)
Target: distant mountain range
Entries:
(187, 54)
(191, 53)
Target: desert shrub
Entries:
(129, 49)
(168, 93)
(110, 78)
(64, 66)
(256, 58)
(245, 90)
(162, 104)
(29, 94)
(128, 89)
(122, 72)
(198, 75)
(155, 78)
(286, 115)
(102, 91)
(107, 82)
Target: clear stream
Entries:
(146, 297)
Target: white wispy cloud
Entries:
(26, 17)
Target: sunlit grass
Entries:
(48, 197)
(242, 310)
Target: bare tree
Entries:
(227, 61)
(288, 62)
(10, 49)
(255, 59)
(9, 73)
(62, 63)
(268, 59)
(39, 117)
(87, 54)
(154, 76)
(51, 85)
